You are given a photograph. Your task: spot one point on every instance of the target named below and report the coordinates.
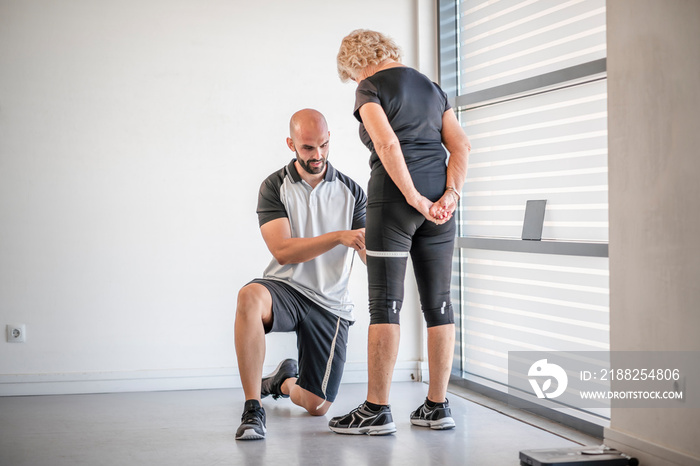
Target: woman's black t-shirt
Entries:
(414, 106)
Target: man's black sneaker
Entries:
(252, 422)
(438, 417)
(363, 420)
(272, 383)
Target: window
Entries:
(527, 79)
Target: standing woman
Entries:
(405, 119)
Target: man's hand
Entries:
(287, 250)
(353, 239)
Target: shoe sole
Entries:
(250, 434)
(441, 424)
(385, 429)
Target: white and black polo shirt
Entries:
(336, 203)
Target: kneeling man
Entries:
(312, 218)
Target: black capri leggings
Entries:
(393, 231)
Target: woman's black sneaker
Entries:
(364, 420)
(438, 417)
(252, 422)
(272, 383)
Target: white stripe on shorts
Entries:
(329, 364)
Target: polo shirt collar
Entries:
(330, 175)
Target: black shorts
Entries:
(322, 337)
(396, 230)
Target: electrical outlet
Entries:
(16, 333)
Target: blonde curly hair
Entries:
(362, 48)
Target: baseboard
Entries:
(163, 380)
(117, 381)
(648, 453)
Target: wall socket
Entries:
(16, 333)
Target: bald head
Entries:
(307, 120)
(309, 139)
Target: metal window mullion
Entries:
(575, 75)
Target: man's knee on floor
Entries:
(318, 409)
(314, 404)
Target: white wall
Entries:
(654, 117)
(133, 138)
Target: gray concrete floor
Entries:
(197, 428)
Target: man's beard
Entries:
(308, 168)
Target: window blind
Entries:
(530, 142)
(547, 146)
(503, 41)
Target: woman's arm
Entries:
(457, 144)
(388, 148)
